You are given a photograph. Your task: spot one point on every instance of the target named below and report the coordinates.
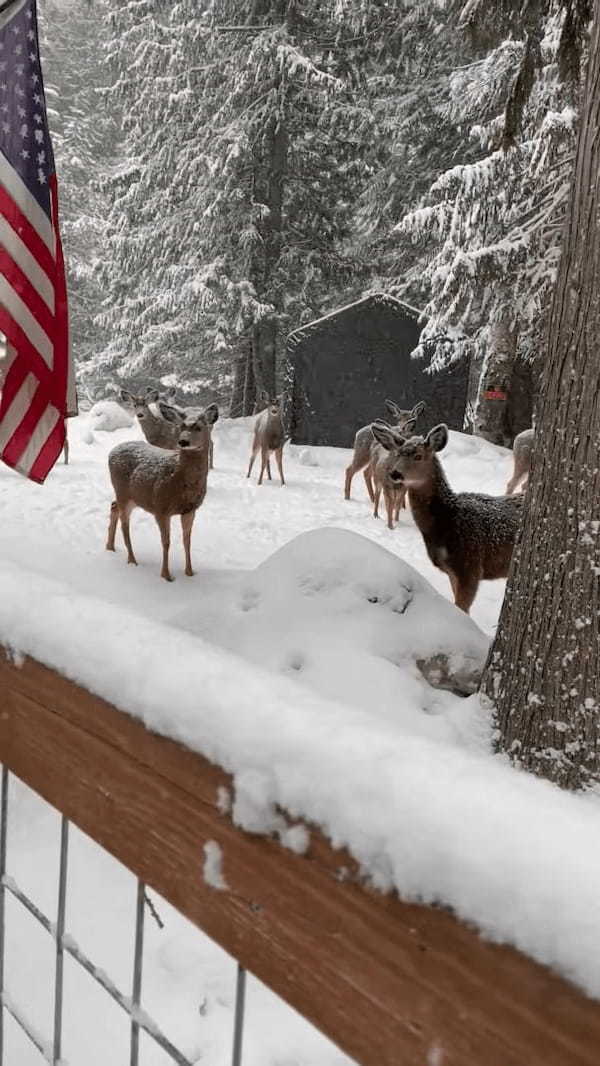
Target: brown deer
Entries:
(155, 428)
(522, 449)
(363, 442)
(268, 437)
(468, 535)
(164, 483)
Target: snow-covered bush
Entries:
(108, 415)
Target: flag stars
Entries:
(37, 118)
(19, 90)
(30, 35)
(41, 176)
(24, 131)
(37, 98)
(20, 111)
(39, 136)
(6, 127)
(41, 157)
(24, 153)
(34, 79)
(18, 49)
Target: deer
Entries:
(162, 482)
(155, 428)
(268, 437)
(363, 442)
(468, 535)
(522, 449)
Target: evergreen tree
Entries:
(83, 137)
(237, 226)
(495, 223)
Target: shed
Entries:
(342, 367)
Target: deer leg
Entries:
(279, 458)
(376, 498)
(389, 506)
(465, 590)
(517, 475)
(125, 513)
(187, 521)
(368, 476)
(66, 450)
(164, 524)
(112, 526)
(269, 468)
(264, 464)
(253, 455)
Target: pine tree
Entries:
(235, 227)
(83, 137)
(495, 223)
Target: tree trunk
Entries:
(270, 167)
(249, 383)
(490, 416)
(543, 674)
(236, 405)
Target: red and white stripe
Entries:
(38, 389)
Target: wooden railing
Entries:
(393, 984)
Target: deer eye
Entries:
(418, 458)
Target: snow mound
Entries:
(341, 614)
(337, 593)
(108, 415)
(307, 457)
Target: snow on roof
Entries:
(442, 822)
(372, 298)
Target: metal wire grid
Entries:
(139, 1019)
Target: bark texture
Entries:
(543, 674)
(490, 418)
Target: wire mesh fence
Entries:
(50, 1046)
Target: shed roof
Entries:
(372, 299)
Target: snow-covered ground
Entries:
(321, 639)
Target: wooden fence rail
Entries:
(392, 984)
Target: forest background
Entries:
(232, 170)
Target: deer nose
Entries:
(395, 475)
(184, 442)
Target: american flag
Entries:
(38, 391)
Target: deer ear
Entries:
(151, 395)
(383, 435)
(211, 414)
(409, 425)
(170, 392)
(393, 409)
(125, 396)
(437, 438)
(419, 408)
(169, 413)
